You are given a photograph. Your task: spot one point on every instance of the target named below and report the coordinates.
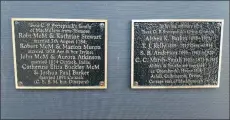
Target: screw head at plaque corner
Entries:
(102, 25)
(20, 83)
(136, 24)
(135, 83)
(102, 83)
(16, 22)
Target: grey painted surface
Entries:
(118, 101)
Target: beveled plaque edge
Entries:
(60, 87)
(175, 20)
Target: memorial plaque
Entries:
(182, 53)
(60, 53)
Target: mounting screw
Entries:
(102, 83)
(136, 83)
(136, 24)
(20, 83)
(219, 24)
(102, 25)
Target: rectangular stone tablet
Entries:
(180, 53)
(60, 53)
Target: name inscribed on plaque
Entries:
(60, 53)
(176, 53)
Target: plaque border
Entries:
(175, 20)
(61, 87)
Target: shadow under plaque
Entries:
(176, 53)
(60, 53)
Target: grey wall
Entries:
(118, 101)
